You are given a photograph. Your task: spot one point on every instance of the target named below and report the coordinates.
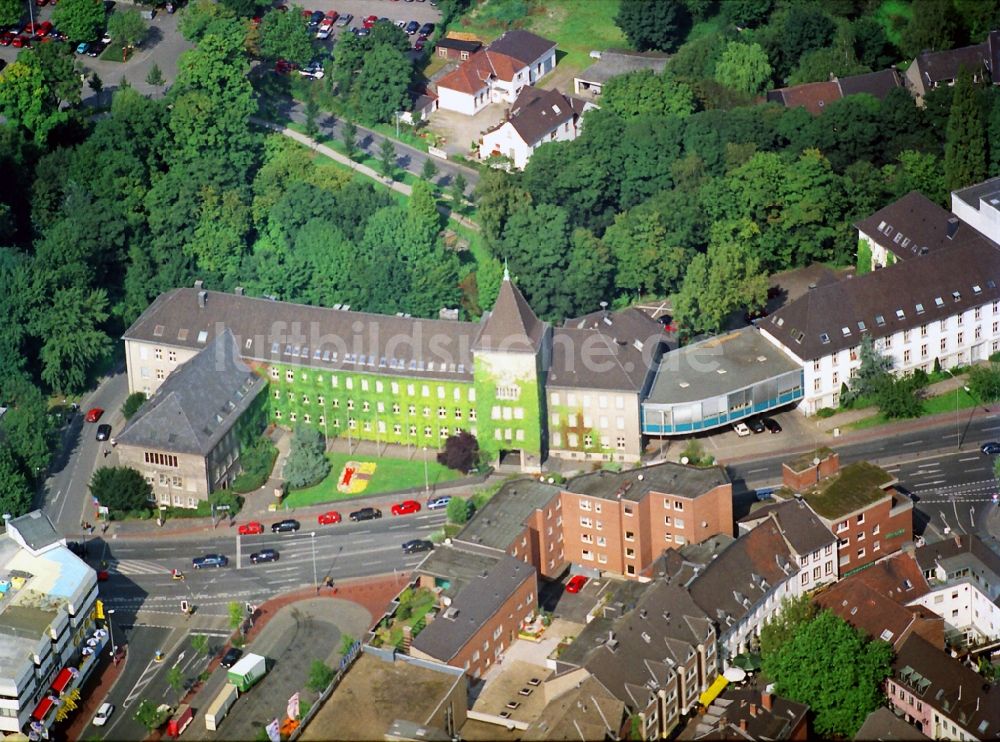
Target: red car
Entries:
(20, 42)
(94, 413)
(102, 575)
(406, 507)
(576, 583)
(369, 21)
(251, 529)
(306, 15)
(283, 66)
(328, 518)
(43, 28)
(333, 15)
(5, 38)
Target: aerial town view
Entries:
(438, 370)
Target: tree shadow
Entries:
(366, 141)
(404, 162)
(153, 37)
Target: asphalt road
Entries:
(66, 496)
(140, 570)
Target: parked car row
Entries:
(757, 425)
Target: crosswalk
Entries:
(137, 567)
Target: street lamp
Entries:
(312, 540)
(111, 630)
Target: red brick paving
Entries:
(91, 697)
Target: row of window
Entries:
(160, 459)
(380, 407)
(602, 400)
(817, 572)
(604, 422)
(380, 386)
(573, 440)
(381, 427)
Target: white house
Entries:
(498, 73)
(934, 294)
(538, 116)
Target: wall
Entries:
(181, 486)
(965, 610)
(148, 364)
(609, 420)
(880, 533)
(541, 542)
(509, 401)
(454, 100)
(914, 709)
(800, 481)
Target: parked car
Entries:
(103, 575)
(264, 555)
(359, 31)
(741, 429)
(106, 709)
(365, 514)
(289, 525)
(345, 20)
(103, 432)
(418, 45)
(990, 448)
(328, 518)
(576, 583)
(417, 545)
(313, 70)
(316, 18)
(82, 49)
(43, 28)
(772, 425)
(96, 48)
(438, 502)
(6, 38)
(411, 28)
(427, 29)
(757, 426)
(231, 657)
(369, 21)
(251, 529)
(406, 507)
(323, 32)
(283, 66)
(332, 16)
(210, 560)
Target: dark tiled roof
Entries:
(936, 67)
(801, 528)
(462, 45)
(297, 334)
(612, 64)
(523, 46)
(502, 518)
(867, 609)
(587, 711)
(886, 301)
(667, 478)
(512, 325)
(741, 576)
(726, 716)
(930, 555)
(618, 351)
(949, 686)
(197, 404)
(813, 96)
(878, 84)
(912, 226)
(898, 577)
(471, 607)
(537, 112)
(884, 726)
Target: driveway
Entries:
(460, 131)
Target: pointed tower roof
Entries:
(512, 325)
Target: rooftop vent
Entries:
(202, 298)
(199, 284)
(952, 227)
(238, 291)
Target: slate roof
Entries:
(878, 84)
(327, 339)
(912, 226)
(35, 530)
(945, 683)
(884, 726)
(472, 606)
(537, 112)
(502, 518)
(937, 67)
(585, 711)
(512, 325)
(523, 46)
(801, 528)
(898, 577)
(741, 576)
(606, 350)
(614, 63)
(886, 301)
(869, 610)
(667, 478)
(462, 45)
(722, 720)
(198, 403)
(957, 548)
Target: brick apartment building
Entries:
(859, 503)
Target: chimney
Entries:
(766, 701)
(812, 286)
(753, 710)
(199, 284)
(238, 291)
(958, 541)
(952, 227)
(743, 724)
(202, 299)
(604, 308)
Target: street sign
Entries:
(222, 508)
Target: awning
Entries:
(62, 680)
(43, 707)
(713, 691)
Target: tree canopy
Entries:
(120, 488)
(81, 20)
(661, 25)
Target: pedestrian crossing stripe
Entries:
(137, 567)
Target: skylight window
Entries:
(861, 325)
(158, 331)
(900, 314)
(203, 336)
(846, 331)
(880, 320)
(938, 302)
(977, 289)
(956, 295)
(920, 308)
(824, 338)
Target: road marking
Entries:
(995, 427)
(136, 567)
(935, 465)
(970, 458)
(754, 471)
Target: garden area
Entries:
(414, 605)
(389, 475)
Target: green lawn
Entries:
(932, 406)
(390, 475)
(577, 26)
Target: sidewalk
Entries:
(92, 695)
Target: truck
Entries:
(246, 672)
(219, 707)
(179, 721)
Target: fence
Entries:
(345, 664)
